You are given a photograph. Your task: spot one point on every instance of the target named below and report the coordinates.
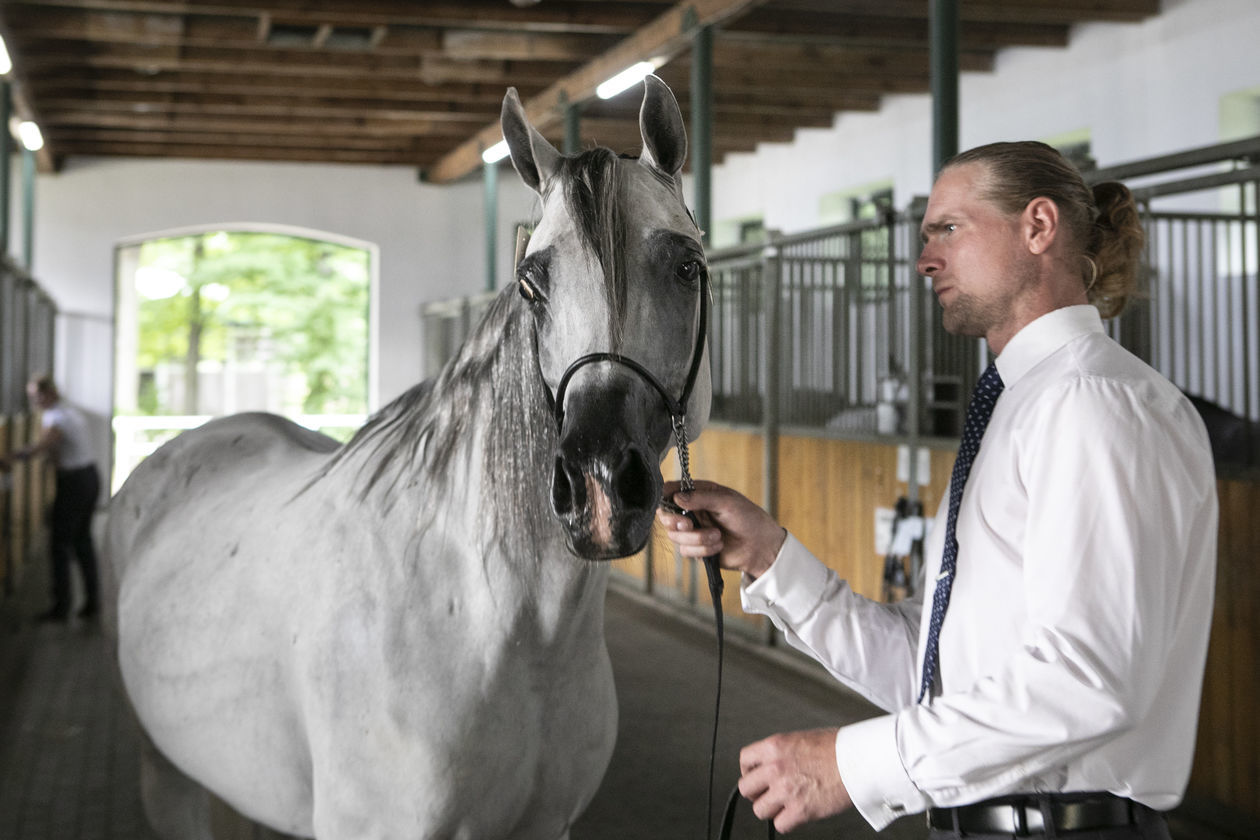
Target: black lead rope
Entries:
(713, 572)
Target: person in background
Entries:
(1046, 681)
(65, 440)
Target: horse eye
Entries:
(689, 271)
(526, 290)
(527, 287)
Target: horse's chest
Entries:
(437, 721)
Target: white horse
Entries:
(403, 637)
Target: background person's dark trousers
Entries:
(71, 526)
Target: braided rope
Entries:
(684, 457)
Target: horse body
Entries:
(403, 636)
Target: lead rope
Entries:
(716, 584)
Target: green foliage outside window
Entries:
(218, 297)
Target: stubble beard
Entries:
(976, 317)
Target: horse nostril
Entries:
(632, 482)
(561, 492)
(568, 491)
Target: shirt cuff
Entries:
(873, 774)
(792, 588)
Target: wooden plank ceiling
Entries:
(420, 83)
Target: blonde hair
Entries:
(1102, 222)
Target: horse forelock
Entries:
(592, 196)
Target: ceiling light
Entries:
(495, 153)
(28, 132)
(625, 79)
(6, 63)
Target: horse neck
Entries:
(474, 447)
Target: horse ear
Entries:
(661, 124)
(535, 159)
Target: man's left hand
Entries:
(792, 778)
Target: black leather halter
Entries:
(677, 408)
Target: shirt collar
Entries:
(1042, 337)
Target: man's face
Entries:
(972, 253)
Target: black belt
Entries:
(1029, 815)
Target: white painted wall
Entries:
(1141, 90)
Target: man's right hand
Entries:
(747, 537)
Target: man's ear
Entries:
(1040, 224)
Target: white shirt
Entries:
(1072, 652)
(74, 451)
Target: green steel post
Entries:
(492, 223)
(572, 128)
(944, 69)
(702, 125)
(6, 155)
(28, 208)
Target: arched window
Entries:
(219, 321)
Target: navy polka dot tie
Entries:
(978, 412)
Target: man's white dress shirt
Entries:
(1072, 653)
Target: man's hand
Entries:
(793, 779)
(747, 537)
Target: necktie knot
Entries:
(983, 399)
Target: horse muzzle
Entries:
(605, 486)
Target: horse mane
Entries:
(493, 391)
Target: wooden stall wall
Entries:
(25, 494)
(828, 493)
(1227, 755)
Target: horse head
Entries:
(615, 278)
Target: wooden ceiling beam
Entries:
(604, 17)
(763, 24)
(277, 124)
(208, 138)
(201, 31)
(238, 152)
(522, 46)
(838, 60)
(255, 104)
(1027, 11)
(71, 112)
(329, 89)
(666, 36)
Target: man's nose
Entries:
(928, 263)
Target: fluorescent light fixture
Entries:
(6, 63)
(495, 153)
(625, 79)
(29, 134)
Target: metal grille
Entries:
(845, 347)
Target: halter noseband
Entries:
(677, 408)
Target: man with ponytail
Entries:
(1046, 680)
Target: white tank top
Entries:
(74, 451)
